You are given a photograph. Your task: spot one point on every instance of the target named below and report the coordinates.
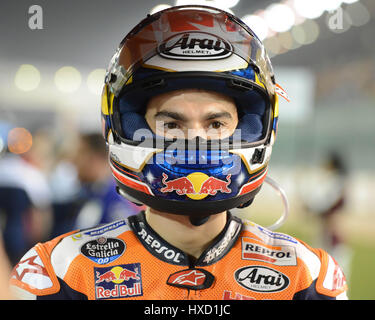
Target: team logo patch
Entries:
(159, 248)
(253, 249)
(103, 250)
(224, 244)
(229, 295)
(195, 46)
(281, 92)
(334, 279)
(196, 185)
(277, 235)
(31, 271)
(194, 279)
(106, 228)
(122, 281)
(261, 279)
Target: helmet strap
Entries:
(284, 198)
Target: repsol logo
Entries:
(252, 249)
(261, 279)
(158, 248)
(195, 45)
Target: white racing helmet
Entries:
(180, 48)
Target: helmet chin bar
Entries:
(123, 194)
(196, 209)
(194, 220)
(200, 219)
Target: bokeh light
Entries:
(220, 4)
(312, 31)
(309, 9)
(349, 1)
(186, 2)
(286, 40)
(257, 24)
(272, 46)
(330, 5)
(95, 81)
(159, 7)
(279, 17)
(27, 77)
(20, 140)
(226, 3)
(68, 79)
(359, 14)
(298, 34)
(2, 145)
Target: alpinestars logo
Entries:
(195, 46)
(193, 279)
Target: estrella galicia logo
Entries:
(261, 279)
(195, 46)
(103, 250)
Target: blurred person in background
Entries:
(5, 269)
(84, 190)
(25, 199)
(327, 203)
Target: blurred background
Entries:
(52, 62)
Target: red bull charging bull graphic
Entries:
(196, 185)
(181, 185)
(122, 281)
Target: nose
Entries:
(196, 131)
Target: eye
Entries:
(215, 125)
(171, 125)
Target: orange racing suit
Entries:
(127, 259)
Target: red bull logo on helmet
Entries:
(196, 185)
(123, 281)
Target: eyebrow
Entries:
(181, 117)
(215, 115)
(170, 114)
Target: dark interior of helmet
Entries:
(250, 102)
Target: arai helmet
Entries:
(189, 47)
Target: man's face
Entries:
(188, 113)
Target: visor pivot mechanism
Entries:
(112, 78)
(258, 156)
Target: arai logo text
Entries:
(195, 45)
(261, 279)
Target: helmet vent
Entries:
(240, 85)
(258, 156)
